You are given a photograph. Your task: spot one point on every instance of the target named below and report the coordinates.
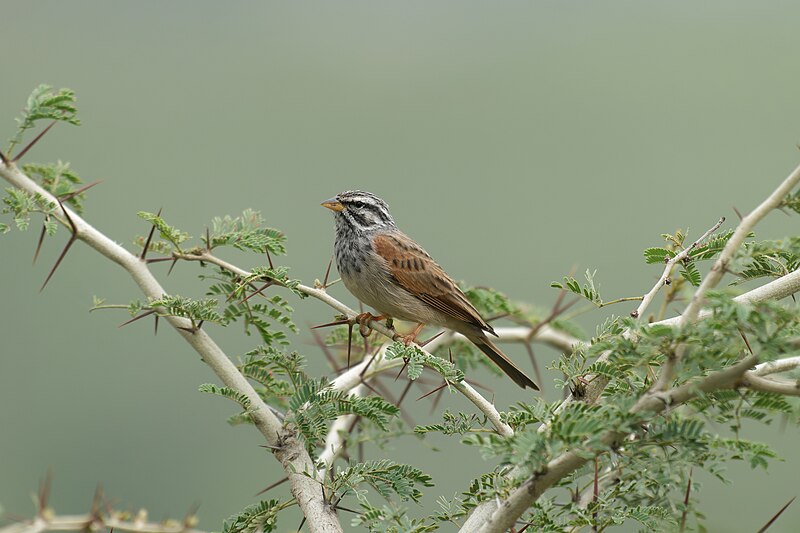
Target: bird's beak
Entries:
(333, 204)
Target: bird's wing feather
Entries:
(413, 269)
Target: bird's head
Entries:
(360, 209)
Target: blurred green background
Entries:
(514, 140)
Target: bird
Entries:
(385, 269)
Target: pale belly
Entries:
(377, 291)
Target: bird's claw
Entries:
(364, 320)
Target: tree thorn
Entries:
(349, 342)
(778, 514)
(424, 343)
(327, 273)
(747, 343)
(69, 196)
(269, 258)
(149, 237)
(191, 515)
(405, 364)
(97, 503)
(72, 225)
(41, 240)
(437, 389)
(370, 387)
(364, 370)
(259, 291)
(33, 142)
(44, 491)
(272, 486)
(334, 323)
(337, 506)
(405, 391)
(174, 260)
(158, 259)
(437, 399)
(138, 317)
(70, 242)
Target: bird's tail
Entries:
(505, 364)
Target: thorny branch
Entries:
(97, 522)
(493, 516)
(503, 515)
(287, 446)
(680, 256)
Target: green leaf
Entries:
(657, 255)
(21, 204)
(690, 273)
(226, 392)
(454, 424)
(386, 477)
(170, 233)
(195, 310)
(246, 232)
(588, 291)
(59, 180)
(417, 359)
(258, 517)
(44, 104)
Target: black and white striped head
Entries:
(361, 210)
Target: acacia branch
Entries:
(376, 364)
(680, 256)
(776, 366)
(96, 522)
(287, 446)
(774, 290)
(334, 441)
(509, 511)
(785, 387)
(719, 269)
(692, 311)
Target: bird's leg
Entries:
(364, 319)
(408, 339)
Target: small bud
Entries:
(668, 281)
(635, 314)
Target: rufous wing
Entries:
(414, 270)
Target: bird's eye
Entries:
(358, 205)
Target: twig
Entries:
(680, 256)
(776, 515)
(757, 383)
(94, 522)
(774, 367)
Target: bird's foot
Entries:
(412, 337)
(364, 320)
